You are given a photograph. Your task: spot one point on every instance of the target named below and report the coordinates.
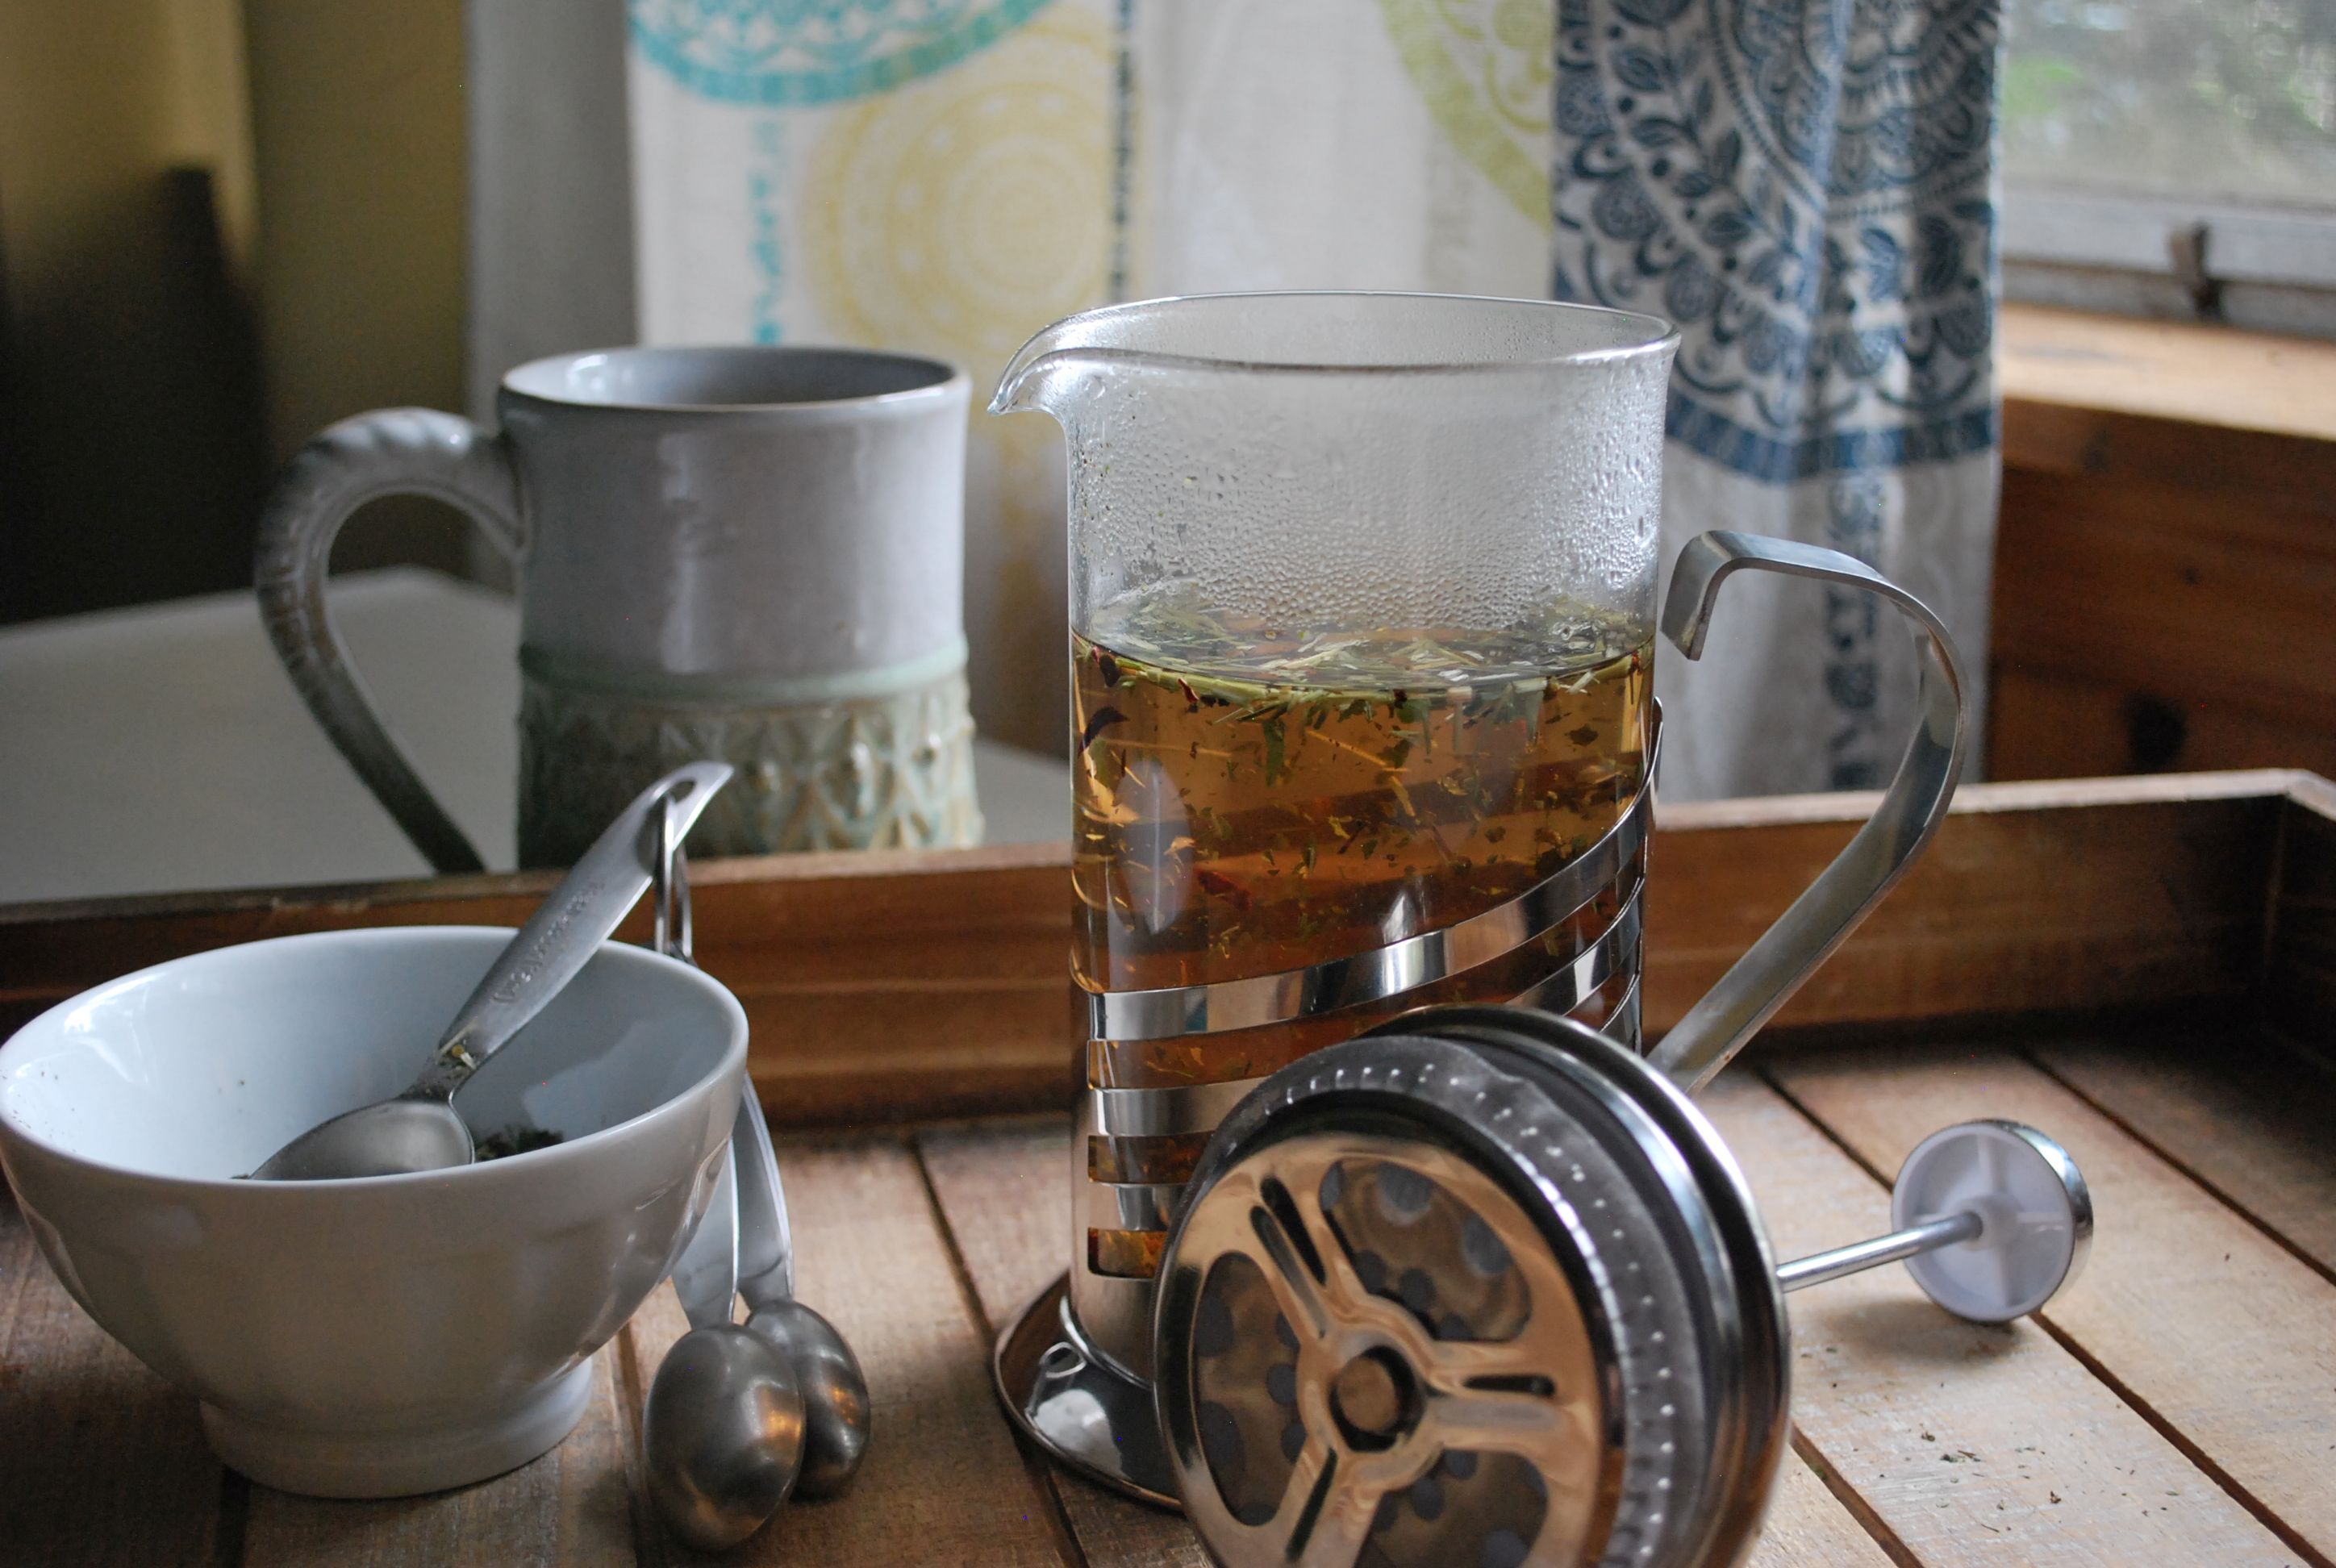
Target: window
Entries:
(2173, 157)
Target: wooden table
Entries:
(2177, 1405)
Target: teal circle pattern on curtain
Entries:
(796, 52)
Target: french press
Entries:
(1362, 603)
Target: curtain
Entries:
(936, 177)
(1803, 185)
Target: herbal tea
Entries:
(1251, 798)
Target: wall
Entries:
(223, 224)
(129, 455)
(356, 110)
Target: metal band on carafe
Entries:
(1197, 1108)
(1132, 1214)
(1357, 980)
(1376, 974)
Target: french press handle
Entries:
(1821, 919)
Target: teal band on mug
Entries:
(735, 691)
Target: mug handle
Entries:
(1831, 906)
(389, 452)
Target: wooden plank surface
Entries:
(2178, 1406)
(1004, 1189)
(100, 1461)
(1004, 1193)
(2190, 1312)
(942, 1482)
(1970, 1443)
(574, 1504)
(1808, 1527)
(2251, 1120)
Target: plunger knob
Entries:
(1993, 1221)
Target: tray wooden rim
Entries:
(2151, 1414)
(891, 986)
(2303, 788)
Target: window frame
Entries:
(2273, 269)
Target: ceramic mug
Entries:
(754, 554)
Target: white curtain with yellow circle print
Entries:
(934, 177)
(945, 177)
(1803, 184)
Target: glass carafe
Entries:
(1363, 612)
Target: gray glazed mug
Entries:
(751, 554)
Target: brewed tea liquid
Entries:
(1253, 798)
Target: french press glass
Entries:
(1363, 615)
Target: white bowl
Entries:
(396, 1334)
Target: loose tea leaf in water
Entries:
(1251, 798)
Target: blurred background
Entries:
(223, 224)
(226, 223)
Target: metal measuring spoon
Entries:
(837, 1413)
(834, 1390)
(419, 1129)
(724, 1432)
(740, 1418)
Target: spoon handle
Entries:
(569, 926)
(766, 1254)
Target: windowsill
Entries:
(2057, 360)
(2165, 554)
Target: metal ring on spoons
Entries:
(739, 1418)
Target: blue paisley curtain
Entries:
(1804, 188)
(1803, 185)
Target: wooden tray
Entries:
(2146, 969)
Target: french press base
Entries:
(1483, 1286)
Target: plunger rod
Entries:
(1859, 1256)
